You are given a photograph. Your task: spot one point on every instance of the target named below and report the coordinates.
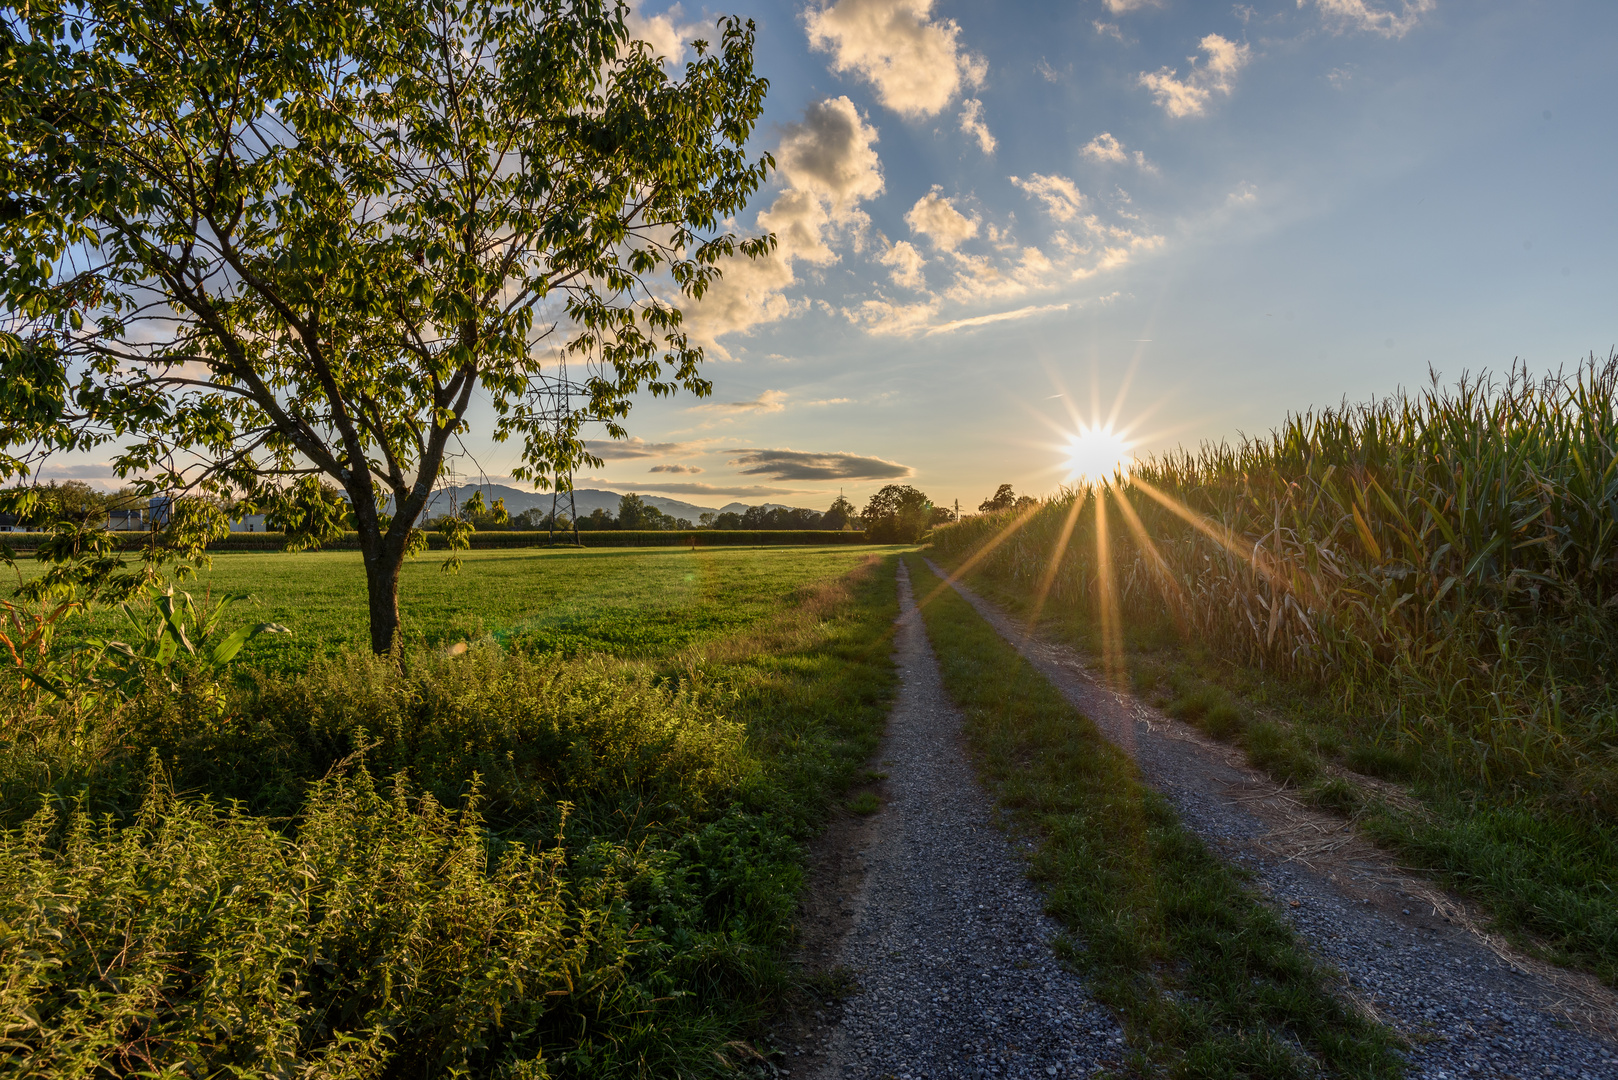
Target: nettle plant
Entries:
(253, 243)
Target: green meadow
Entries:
(628, 602)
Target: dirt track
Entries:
(927, 904)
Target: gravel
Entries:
(949, 941)
(1467, 1011)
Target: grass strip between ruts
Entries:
(1208, 981)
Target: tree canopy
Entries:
(898, 513)
(248, 244)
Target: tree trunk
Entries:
(382, 565)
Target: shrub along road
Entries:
(1467, 1005)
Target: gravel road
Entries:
(1414, 956)
(949, 941)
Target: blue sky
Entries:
(1000, 219)
(1221, 213)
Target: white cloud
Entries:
(1106, 147)
(980, 277)
(906, 262)
(1061, 197)
(936, 218)
(770, 401)
(1124, 7)
(1359, 15)
(1189, 96)
(1107, 29)
(832, 155)
(916, 64)
(1244, 195)
(972, 123)
(999, 316)
(829, 165)
(664, 33)
(885, 318)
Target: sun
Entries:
(1095, 454)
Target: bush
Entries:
(382, 938)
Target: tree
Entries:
(256, 243)
(481, 516)
(1003, 499)
(840, 515)
(897, 514)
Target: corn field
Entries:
(1445, 562)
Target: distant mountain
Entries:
(588, 500)
(742, 508)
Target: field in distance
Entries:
(632, 602)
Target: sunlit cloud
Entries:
(1344, 15)
(665, 32)
(916, 63)
(677, 469)
(739, 491)
(973, 124)
(1062, 198)
(1106, 148)
(770, 401)
(631, 449)
(830, 166)
(906, 263)
(999, 316)
(808, 465)
(1217, 74)
(936, 218)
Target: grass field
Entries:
(573, 850)
(629, 602)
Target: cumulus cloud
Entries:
(829, 165)
(917, 64)
(936, 218)
(676, 468)
(972, 123)
(807, 465)
(1217, 74)
(1123, 7)
(1358, 15)
(1061, 197)
(1106, 147)
(664, 33)
(906, 263)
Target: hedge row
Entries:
(271, 541)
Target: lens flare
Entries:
(1095, 455)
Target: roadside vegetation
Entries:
(526, 858)
(1207, 981)
(1413, 597)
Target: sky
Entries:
(999, 222)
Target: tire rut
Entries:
(949, 941)
(1413, 956)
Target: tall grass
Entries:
(1444, 564)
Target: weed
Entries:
(865, 803)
